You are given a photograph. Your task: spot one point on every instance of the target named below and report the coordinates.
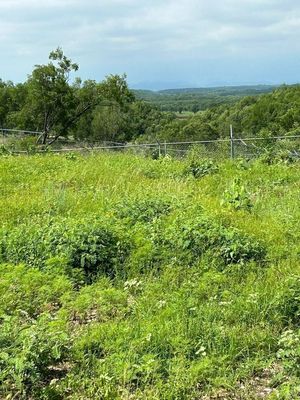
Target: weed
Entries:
(200, 168)
(144, 210)
(237, 197)
(89, 245)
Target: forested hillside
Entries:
(198, 99)
(277, 113)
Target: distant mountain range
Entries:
(228, 90)
(157, 86)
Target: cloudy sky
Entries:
(158, 43)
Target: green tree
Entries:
(51, 100)
(115, 89)
(52, 105)
(12, 100)
(107, 122)
(87, 93)
(110, 116)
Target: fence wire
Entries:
(20, 141)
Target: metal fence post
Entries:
(231, 143)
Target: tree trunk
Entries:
(44, 137)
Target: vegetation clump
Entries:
(200, 168)
(90, 245)
(201, 235)
(144, 210)
(280, 156)
(237, 197)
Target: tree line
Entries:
(199, 99)
(50, 102)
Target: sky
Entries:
(159, 43)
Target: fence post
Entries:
(231, 143)
(165, 148)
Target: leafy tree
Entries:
(4, 101)
(51, 101)
(86, 92)
(107, 123)
(115, 89)
(108, 119)
(52, 105)
(12, 100)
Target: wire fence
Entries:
(16, 142)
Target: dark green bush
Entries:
(202, 234)
(199, 168)
(90, 245)
(145, 210)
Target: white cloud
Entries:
(118, 33)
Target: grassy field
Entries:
(124, 277)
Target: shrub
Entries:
(145, 210)
(27, 144)
(237, 197)
(90, 245)
(199, 168)
(195, 238)
(280, 155)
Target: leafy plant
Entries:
(71, 156)
(289, 303)
(203, 234)
(289, 351)
(199, 168)
(237, 197)
(144, 210)
(89, 245)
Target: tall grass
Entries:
(130, 278)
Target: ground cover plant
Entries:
(124, 277)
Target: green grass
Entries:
(124, 277)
